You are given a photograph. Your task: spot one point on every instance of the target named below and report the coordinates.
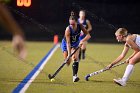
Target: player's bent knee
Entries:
(132, 61)
(74, 59)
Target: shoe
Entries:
(119, 82)
(87, 77)
(76, 79)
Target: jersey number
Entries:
(74, 38)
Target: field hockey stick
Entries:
(102, 70)
(66, 60)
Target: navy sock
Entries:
(80, 54)
(75, 67)
(83, 51)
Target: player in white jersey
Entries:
(131, 41)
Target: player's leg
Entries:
(80, 38)
(130, 66)
(83, 49)
(80, 54)
(75, 65)
(129, 70)
(65, 54)
(64, 50)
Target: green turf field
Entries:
(12, 70)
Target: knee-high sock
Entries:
(83, 51)
(128, 71)
(75, 67)
(80, 54)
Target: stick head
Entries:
(87, 77)
(49, 76)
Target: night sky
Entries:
(103, 14)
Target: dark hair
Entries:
(83, 11)
(72, 16)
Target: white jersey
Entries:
(137, 40)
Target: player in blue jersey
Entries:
(71, 41)
(86, 23)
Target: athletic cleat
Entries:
(76, 79)
(119, 82)
(87, 77)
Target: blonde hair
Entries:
(121, 31)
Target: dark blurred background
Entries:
(45, 18)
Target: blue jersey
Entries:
(74, 38)
(82, 35)
(84, 23)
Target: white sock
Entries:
(128, 72)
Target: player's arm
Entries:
(87, 37)
(67, 35)
(120, 57)
(8, 21)
(133, 45)
(89, 25)
(12, 26)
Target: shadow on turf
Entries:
(99, 81)
(38, 81)
(129, 84)
(59, 82)
(134, 83)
